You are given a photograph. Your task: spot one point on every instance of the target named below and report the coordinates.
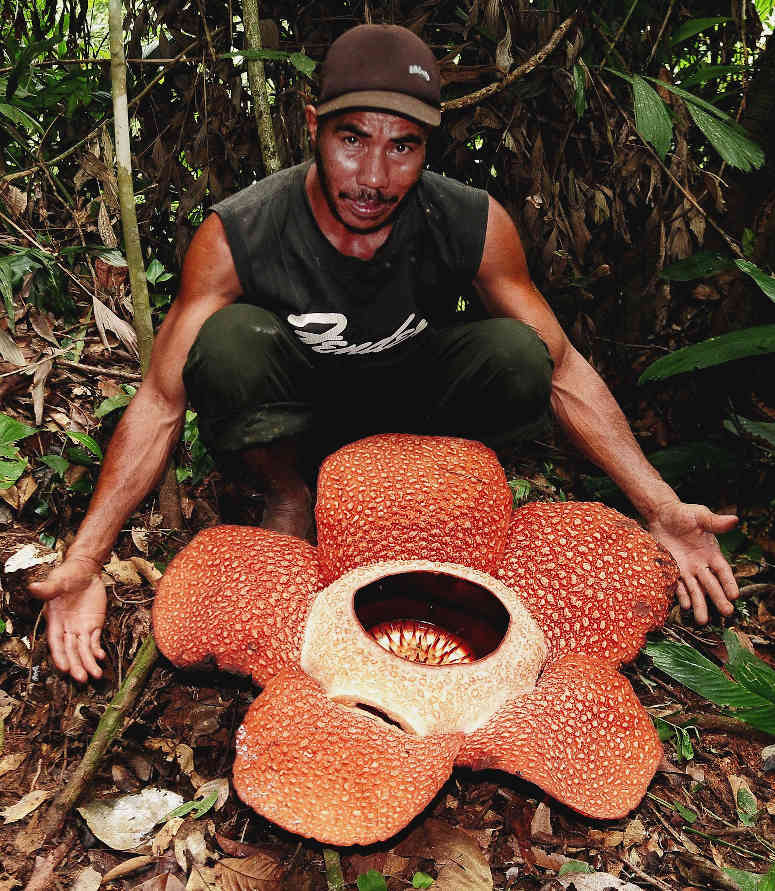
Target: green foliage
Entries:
(579, 90)
(695, 26)
(699, 265)
(686, 813)
(421, 880)
(199, 461)
(746, 807)
(371, 881)
(91, 445)
(752, 881)
(520, 490)
(751, 694)
(12, 463)
(57, 463)
(763, 280)
(678, 736)
(196, 808)
(743, 344)
(572, 867)
(300, 61)
(651, 117)
(762, 432)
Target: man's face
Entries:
(367, 163)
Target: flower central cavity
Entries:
(421, 642)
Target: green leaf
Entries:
(111, 404)
(580, 93)
(763, 280)
(372, 881)
(695, 26)
(302, 63)
(154, 270)
(742, 344)
(747, 669)
(748, 881)
(10, 471)
(683, 745)
(12, 430)
(686, 812)
(20, 117)
(665, 731)
(762, 430)
(768, 882)
(699, 265)
(651, 117)
(730, 140)
(421, 880)
(197, 808)
(764, 8)
(56, 462)
(520, 489)
(6, 289)
(86, 441)
(746, 805)
(570, 867)
(710, 72)
(2, 631)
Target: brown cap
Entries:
(383, 67)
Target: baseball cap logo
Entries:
(420, 72)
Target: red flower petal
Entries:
(240, 595)
(331, 773)
(402, 497)
(582, 736)
(593, 580)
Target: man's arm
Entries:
(136, 458)
(592, 419)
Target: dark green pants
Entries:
(252, 382)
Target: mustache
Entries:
(369, 196)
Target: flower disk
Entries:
(402, 497)
(593, 580)
(240, 595)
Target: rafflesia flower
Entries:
(432, 626)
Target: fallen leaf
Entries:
(203, 878)
(20, 493)
(219, 786)
(128, 867)
(87, 880)
(41, 323)
(459, 859)
(542, 821)
(147, 570)
(613, 839)
(595, 881)
(25, 805)
(258, 873)
(11, 762)
(32, 554)
(163, 838)
(191, 847)
(122, 571)
(39, 389)
(9, 883)
(125, 822)
(634, 833)
(167, 881)
(140, 539)
(7, 704)
(546, 860)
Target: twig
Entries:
(732, 244)
(96, 369)
(661, 31)
(334, 876)
(19, 174)
(619, 33)
(649, 880)
(722, 723)
(525, 68)
(107, 729)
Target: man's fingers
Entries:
(725, 575)
(87, 656)
(716, 593)
(73, 657)
(718, 523)
(684, 601)
(96, 646)
(56, 645)
(698, 600)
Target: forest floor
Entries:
(483, 830)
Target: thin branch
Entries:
(733, 246)
(525, 68)
(19, 174)
(96, 369)
(619, 33)
(661, 31)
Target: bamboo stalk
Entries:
(334, 875)
(107, 729)
(258, 90)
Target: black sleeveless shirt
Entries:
(345, 306)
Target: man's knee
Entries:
(235, 347)
(518, 362)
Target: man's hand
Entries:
(689, 531)
(75, 613)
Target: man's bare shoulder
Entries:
(208, 269)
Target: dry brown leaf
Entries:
(29, 556)
(105, 228)
(41, 323)
(19, 494)
(167, 881)
(122, 571)
(106, 319)
(634, 833)
(737, 783)
(14, 199)
(9, 883)
(163, 838)
(220, 786)
(461, 864)
(128, 867)
(39, 389)
(25, 805)
(87, 880)
(9, 350)
(11, 762)
(147, 570)
(542, 821)
(261, 872)
(203, 878)
(546, 860)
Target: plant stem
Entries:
(257, 81)
(107, 729)
(334, 876)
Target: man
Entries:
(319, 305)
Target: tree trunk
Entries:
(169, 499)
(257, 81)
